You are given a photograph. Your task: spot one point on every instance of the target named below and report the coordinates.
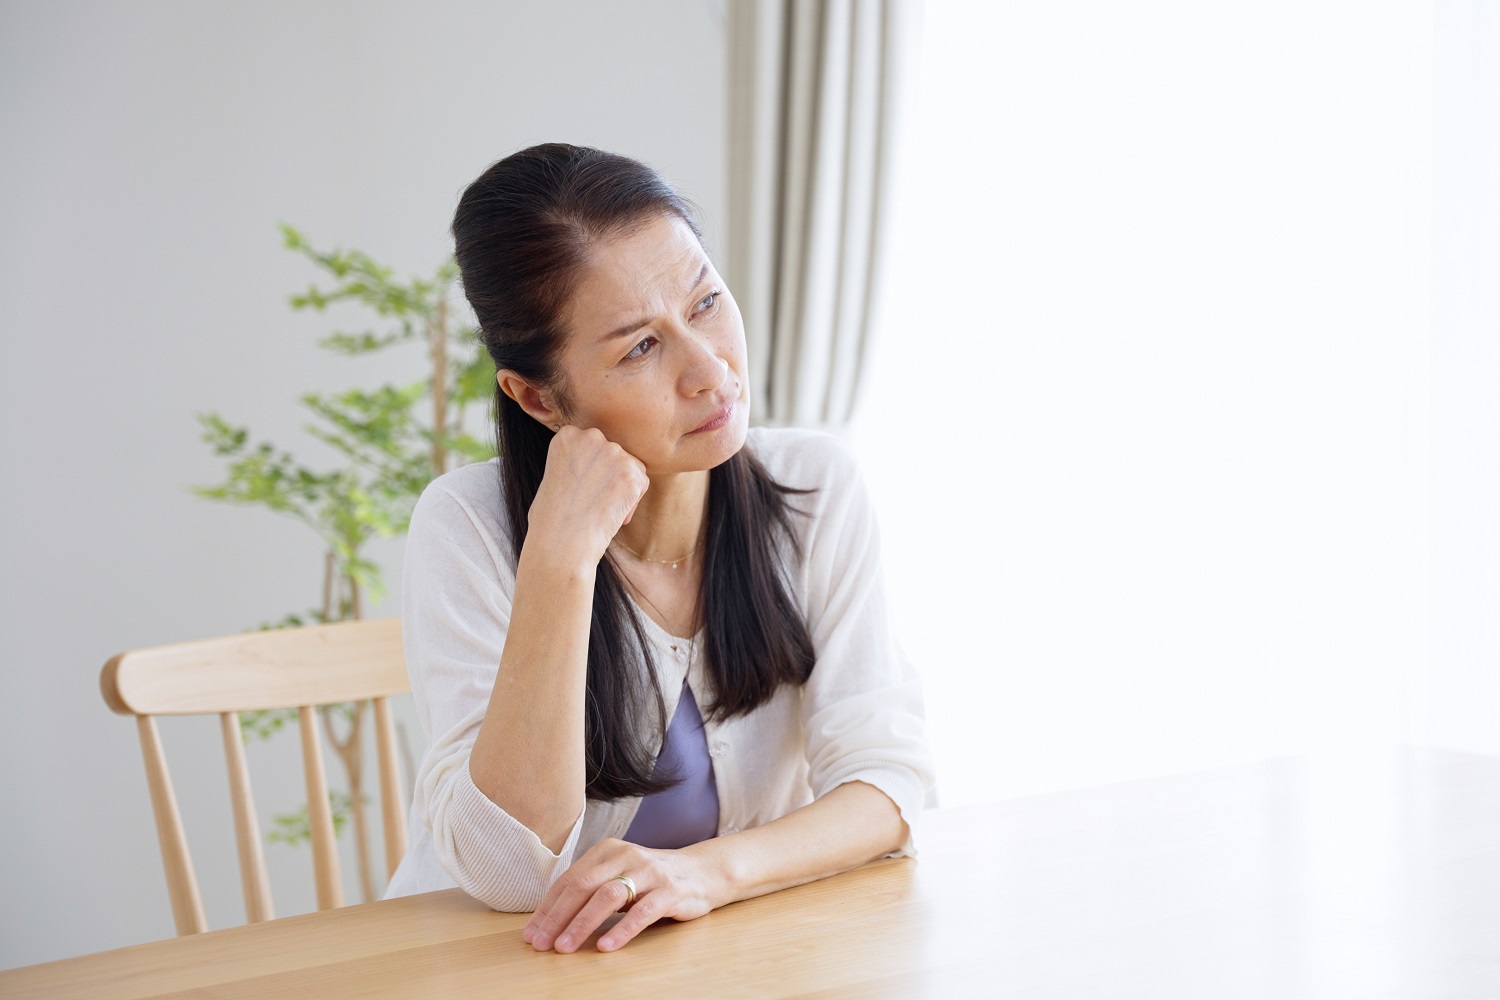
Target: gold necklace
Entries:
(661, 562)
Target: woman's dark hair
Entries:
(522, 234)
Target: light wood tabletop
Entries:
(1375, 875)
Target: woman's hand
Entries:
(676, 884)
(590, 488)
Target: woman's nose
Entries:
(705, 369)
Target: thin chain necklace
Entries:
(660, 562)
(664, 623)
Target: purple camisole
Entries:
(688, 811)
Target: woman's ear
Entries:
(538, 403)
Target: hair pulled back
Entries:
(522, 234)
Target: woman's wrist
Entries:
(718, 861)
(558, 565)
(847, 827)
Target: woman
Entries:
(648, 644)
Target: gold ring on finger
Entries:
(629, 887)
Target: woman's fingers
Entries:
(576, 913)
(647, 910)
(607, 899)
(591, 486)
(642, 485)
(566, 898)
(554, 892)
(563, 901)
(667, 884)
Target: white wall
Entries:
(1454, 697)
(150, 149)
(1185, 426)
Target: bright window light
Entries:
(1147, 423)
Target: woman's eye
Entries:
(709, 301)
(641, 350)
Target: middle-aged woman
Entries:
(648, 644)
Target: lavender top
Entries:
(688, 811)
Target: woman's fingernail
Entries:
(564, 942)
(607, 944)
(526, 934)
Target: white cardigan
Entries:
(859, 716)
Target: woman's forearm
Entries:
(852, 824)
(528, 758)
(529, 755)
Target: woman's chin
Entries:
(731, 437)
(703, 450)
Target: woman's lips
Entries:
(717, 420)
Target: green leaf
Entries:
(291, 238)
(226, 440)
(472, 377)
(359, 343)
(263, 724)
(472, 449)
(293, 828)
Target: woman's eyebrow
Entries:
(635, 325)
(701, 272)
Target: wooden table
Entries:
(1373, 876)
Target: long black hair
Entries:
(521, 233)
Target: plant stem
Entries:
(328, 586)
(350, 753)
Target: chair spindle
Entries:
(246, 828)
(182, 884)
(390, 786)
(319, 814)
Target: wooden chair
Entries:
(297, 668)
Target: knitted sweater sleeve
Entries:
(456, 593)
(862, 707)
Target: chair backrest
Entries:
(299, 668)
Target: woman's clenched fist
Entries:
(590, 488)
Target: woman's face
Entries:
(655, 351)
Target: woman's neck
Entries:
(668, 522)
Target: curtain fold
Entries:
(815, 92)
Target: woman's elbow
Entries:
(517, 892)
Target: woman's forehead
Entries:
(635, 275)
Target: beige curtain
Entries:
(815, 92)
